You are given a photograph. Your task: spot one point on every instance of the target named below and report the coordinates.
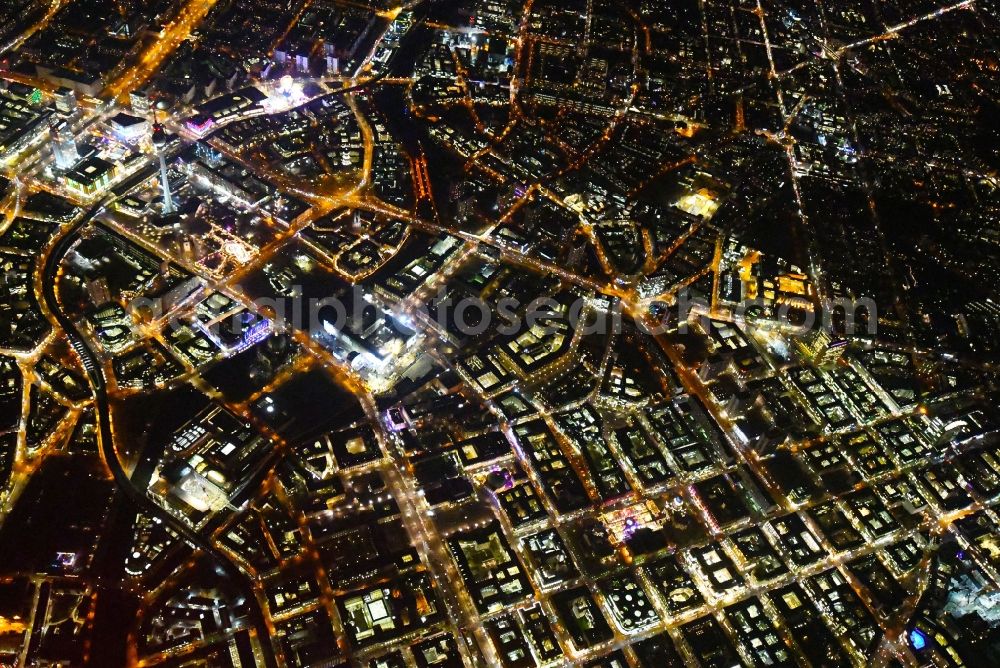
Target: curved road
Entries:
(95, 372)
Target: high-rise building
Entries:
(99, 292)
(63, 146)
(821, 348)
(139, 103)
(66, 102)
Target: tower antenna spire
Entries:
(160, 143)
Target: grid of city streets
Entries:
(499, 333)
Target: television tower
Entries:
(159, 143)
